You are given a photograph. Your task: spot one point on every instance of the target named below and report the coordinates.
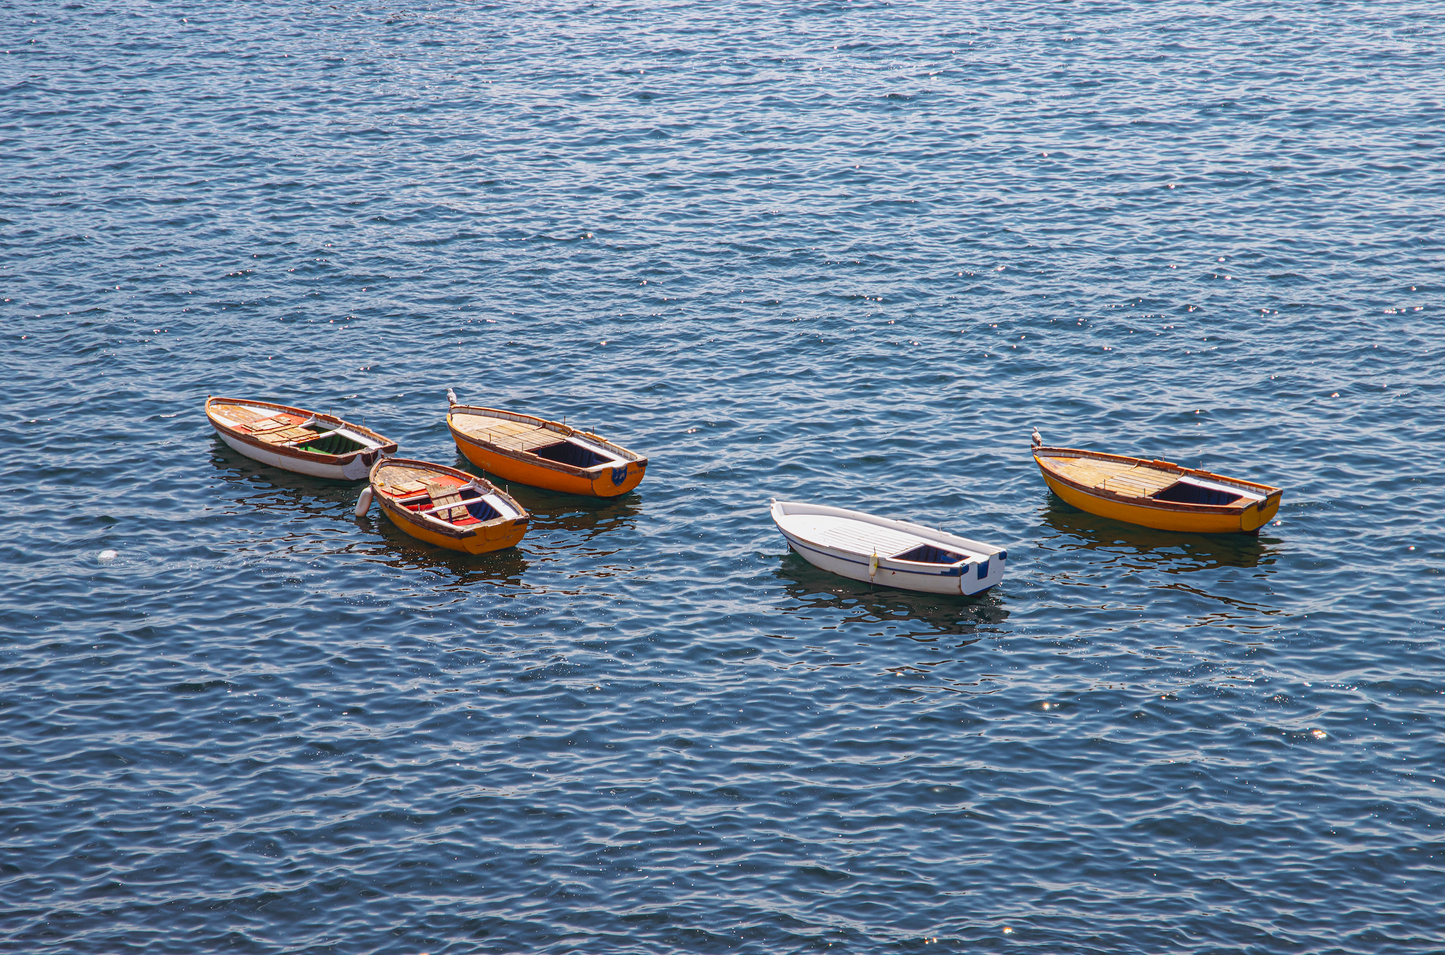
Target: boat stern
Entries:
(982, 575)
(615, 481)
(1260, 513)
(497, 536)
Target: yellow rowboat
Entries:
(1156, 493)
(444, 506)
(541, 453)
(307, 442)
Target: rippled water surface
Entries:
(836, 252)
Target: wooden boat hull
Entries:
(504, 530)
(502, 443)
(232, 419)
(815, 533)
(1135, 504)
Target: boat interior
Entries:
(929, 554)
(285, 429)
(533, 438)
(458, 504)
(440, 496)
(1142, 481)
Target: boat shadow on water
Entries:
(919, 616)
(400, 551)
(574, 514)
(273, 488)
(1176, 552)
(1199, 575)
(299, 497)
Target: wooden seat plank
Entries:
(404, 480)
(267, 425)
(505, 433)
(241, 414)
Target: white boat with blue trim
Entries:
(888, 553)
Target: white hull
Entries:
(352, 469)
(865, 548)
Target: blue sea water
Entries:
(843, 252)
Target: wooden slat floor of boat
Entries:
(512, 435)
(1139, 482)
(401, 476)
(1088, 471)
(845, 534)
(240, 413)
(1121, 477)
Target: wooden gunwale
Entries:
(563, 431)
(435, 525)
(386, 445)
(1042, 455)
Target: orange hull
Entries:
(538, 453)
(447, 507)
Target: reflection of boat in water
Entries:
(1166, 551)
(459, 570)
(305, 516)
(295, 439)
(1156, 494)
(588, 516)
(916, 615)
(260, 486)
(891, 553)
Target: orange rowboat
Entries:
(542, 453)
(444, 506)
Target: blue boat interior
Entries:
(928, 554)
(482, 511)
(565, 452)
(473, 501)
(1182, 493)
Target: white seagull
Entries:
(1038, 438)
(452, 398)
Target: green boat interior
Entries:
(331, 444)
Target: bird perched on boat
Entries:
(451, 396)
(1038, 439)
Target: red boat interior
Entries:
(456, 504)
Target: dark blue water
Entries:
(843, 252)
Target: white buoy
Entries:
(873, 565)
(107, 555)
(363, 503)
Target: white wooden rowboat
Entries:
(889, 553)
(306, 442)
